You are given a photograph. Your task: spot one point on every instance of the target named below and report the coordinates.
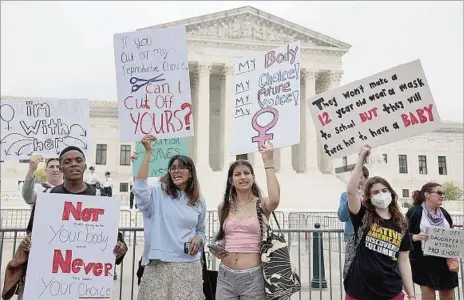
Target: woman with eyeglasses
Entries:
(430, 272)
(174, 218)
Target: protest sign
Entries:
(44, 126)
(153, 84)
(384, 108)
(266, 100)
(72, 247)
(162, 152)
(444, 242)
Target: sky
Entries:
(65, 49)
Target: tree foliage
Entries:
(40, 175)
(452, 191)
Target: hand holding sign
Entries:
(26, 243)
(364, 153)
(147, 140)
(120, 249)
(267, 152)
(420, 237)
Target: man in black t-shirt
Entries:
(72, 165)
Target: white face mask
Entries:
(381, 200)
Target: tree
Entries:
(40, 175)
(452, 191)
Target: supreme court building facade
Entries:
(215, 41)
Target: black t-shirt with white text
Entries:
(374, 273)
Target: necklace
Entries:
(238, 208)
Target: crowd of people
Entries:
(174, 218)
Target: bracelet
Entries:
(268, 168)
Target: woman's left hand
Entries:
(120, 249)
(195, 245)
(267, 152)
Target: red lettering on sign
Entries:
(139, 103)
(368, 115)
(86, 214)
(67, 265)
(164, 122)
(423, 116)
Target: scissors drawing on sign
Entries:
(136, 87)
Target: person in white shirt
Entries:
(108, 184)
(31, 188)
(92, 177)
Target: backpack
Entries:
(352, 245)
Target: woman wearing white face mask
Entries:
(377, 253)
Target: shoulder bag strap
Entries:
(259, 212)
(275, 219)
(361, 230)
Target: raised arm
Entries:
(352, 190)
(28, 190)
(273, 188)
(142, 193)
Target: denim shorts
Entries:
(240, 284)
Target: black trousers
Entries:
(108, 191)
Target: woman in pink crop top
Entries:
(240, 274)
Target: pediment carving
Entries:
(248, 27)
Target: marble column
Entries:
(308, 143)
(334, 79)
(227, 94)
(202, 114)
(256, 159)
(285, 160)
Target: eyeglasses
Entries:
(177, 170)
(439, 193)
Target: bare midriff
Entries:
(242, 261)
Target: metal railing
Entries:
(313, 255)
(18, 218)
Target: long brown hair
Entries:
(230, 194)
(393, 208)
(193, 187)
(418, 197)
